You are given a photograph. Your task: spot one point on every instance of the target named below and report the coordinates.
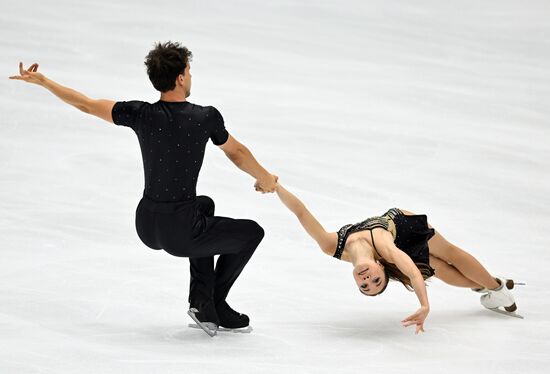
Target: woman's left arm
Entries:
(326, 241)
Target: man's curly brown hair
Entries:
(165, 62)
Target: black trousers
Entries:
(190, 229)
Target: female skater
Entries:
(402, 246)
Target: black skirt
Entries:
(412, 235)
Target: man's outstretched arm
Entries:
(99, 108)
(241, 156)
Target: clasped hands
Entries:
(266, 183)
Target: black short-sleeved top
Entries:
(172, 137)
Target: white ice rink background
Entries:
(438, 107)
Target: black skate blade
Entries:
(241, 330)
(510, 314)
(208, 327)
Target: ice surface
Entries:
(437, 107)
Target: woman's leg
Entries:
(450, 275)
(464, 262)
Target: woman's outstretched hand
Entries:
(417, 319)
(30, 75)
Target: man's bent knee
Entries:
(257, 232)
(206, 205)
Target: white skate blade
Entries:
(242, 330)
(511, 314)
(510, 284)
(208, 327)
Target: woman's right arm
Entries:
(326, 240)
(405, 264)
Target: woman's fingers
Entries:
(419, 325)
(415, 319)
(411, 317)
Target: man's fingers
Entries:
(33, 67)
(22, 70)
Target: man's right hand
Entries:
(266, 183)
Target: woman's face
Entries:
(370, 277)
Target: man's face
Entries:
(187, 80)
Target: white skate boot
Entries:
(499, 298)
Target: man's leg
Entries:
(235, 240)
(202, 275)
(230, 266)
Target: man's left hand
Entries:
(31, 75)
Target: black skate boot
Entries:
(204, 314)
(231, 320)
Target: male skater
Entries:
(172, 134)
